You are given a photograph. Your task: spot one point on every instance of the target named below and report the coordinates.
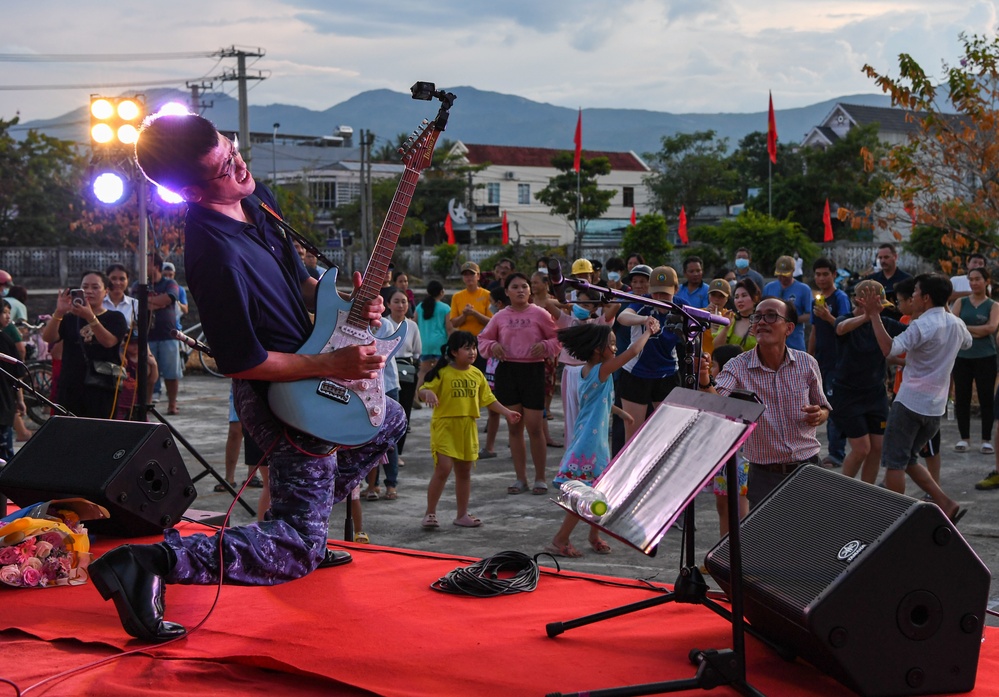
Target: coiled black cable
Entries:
(482, 579)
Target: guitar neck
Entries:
(381, 256)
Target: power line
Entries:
(99, 57)
(134, 83)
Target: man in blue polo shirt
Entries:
(254, 296)
(794, 292)
(695, 291)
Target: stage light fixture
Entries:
(109, 187)
(168, 196)
(114, 121)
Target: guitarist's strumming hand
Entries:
(353, 362)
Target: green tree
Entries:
(41, 188)
(296, 207)
(845, 173)
(946, 176)
(648, 237)
(388, 151)
(560, 194)
(751, 161)
(691, 170)
(765, 237)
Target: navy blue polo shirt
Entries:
(246, 280)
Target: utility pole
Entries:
(198, 105)
(372, 235)
(470, 210)
(241, 77)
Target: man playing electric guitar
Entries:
(254, 295)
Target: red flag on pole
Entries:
(634, 216)
(772, 133)
(449, 229)
(506, 230)
(682, 230)
(578, 140)
(827, 236)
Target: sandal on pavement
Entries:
(255, 482)
(518, 487)
(987, 449)
(220, 487)
(540, 489)
(430, 521)
(390, 494)
(370, 495)
(956, 516)
(362, 538)
(961, 446)
(554, 444)
(467, 521)
(486, 454)
(173, 411)
(566, 550)
(600, 547)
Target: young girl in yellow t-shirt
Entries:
(456, 390)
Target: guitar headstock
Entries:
(418, 151)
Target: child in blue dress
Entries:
(588, 454)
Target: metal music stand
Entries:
(670, 459)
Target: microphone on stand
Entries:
(190, 341)
(4, 358)
(557, 279)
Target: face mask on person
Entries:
(543, 270)
(580, 313)
(5, 292)
(742, 263)
(613, 276)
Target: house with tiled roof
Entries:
(512, 175)
(894, 125)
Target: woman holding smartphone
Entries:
(91, 337)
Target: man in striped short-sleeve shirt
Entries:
(789, 385)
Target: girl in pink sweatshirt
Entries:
(521, 336)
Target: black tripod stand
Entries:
(714, 667)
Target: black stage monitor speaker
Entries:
(133, 469)
(875, 588)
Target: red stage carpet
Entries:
(375, 627)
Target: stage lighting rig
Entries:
(115, 121)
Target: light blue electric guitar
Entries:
(350, 412)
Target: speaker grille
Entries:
(796, 544)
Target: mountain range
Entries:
(483, 117)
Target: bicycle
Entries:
(38, 364)
(207, 362)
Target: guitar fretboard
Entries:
(381, 256)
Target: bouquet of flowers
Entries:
(46, 544)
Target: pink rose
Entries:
(8, 555)
(10, 575)
(31, 577)
(43, 549)
(53, 538)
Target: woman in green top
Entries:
(977, 364)
(745, 297)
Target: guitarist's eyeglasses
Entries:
(230, 164)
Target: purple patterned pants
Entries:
(304, 486)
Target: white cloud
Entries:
(678, 55)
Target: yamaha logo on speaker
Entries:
(850, 550)
(118, 454)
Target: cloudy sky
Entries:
(663, 55)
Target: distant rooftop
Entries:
(514, 156)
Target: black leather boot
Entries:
(137, 593)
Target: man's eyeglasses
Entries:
(230, 164)
(769, 317)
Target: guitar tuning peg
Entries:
(425, 122)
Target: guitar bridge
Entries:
(332, 390)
